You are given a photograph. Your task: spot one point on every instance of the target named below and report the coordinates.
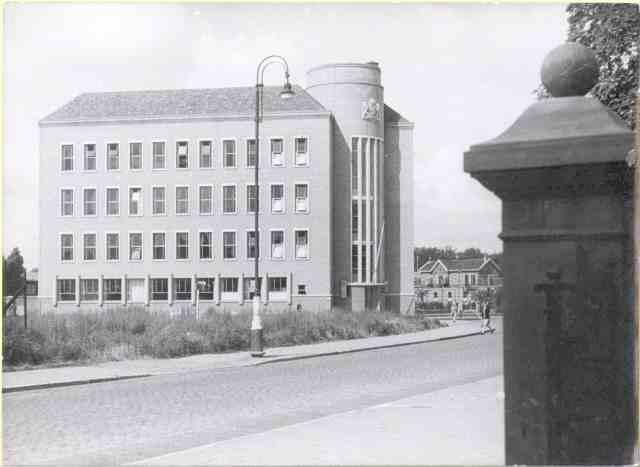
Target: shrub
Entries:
(24, 346)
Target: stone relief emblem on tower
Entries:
(371, 110)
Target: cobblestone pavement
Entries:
(125, 421)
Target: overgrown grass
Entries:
(54, 338)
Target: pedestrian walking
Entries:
(453, 310)
(486, 318)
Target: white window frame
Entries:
(284, 152)
(235, 245)
(153, 201)
(295, 244)
(105, 291)
(84, 247)
(82, 281)
(84, 201)
(175, 206)
(223, 155)
(153, 245)
(141, 156)
(210, 186)
(73, 158)
(229, 296)
(295, 151)
(141, 207)
(151, 282)
(210, 232)
(135, 232)
(295, 199)
(164, 155)
(106, 200)
(235, 186)
(84, 157)
(246, 197)
(188, 258)
(106, 156)
(106, 246)
(284, 245)
(246, 244)
(69, 281)
(73, 247)
(246, 153)
(284, 198)
(280, 295)
(73, 202)
(178, 141)
(174, 289)
(211, 144)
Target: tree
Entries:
(612, 31)
(12, 272)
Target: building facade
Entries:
(148, 198)
(454, 279)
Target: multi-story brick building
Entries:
(146, 194)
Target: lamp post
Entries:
(257, 347)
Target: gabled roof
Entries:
(180, 103)
(458, 265)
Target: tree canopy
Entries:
(12, 272)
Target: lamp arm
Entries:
(268, 61)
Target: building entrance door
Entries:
(135, 291)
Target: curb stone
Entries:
(70, 383)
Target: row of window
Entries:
(206, 154)
(182, 245)
(182, 289)
(159, 201)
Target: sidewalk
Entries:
(461, 425)
(65, 376)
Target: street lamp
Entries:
(257, 347)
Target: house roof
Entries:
(180, 103)
(455, 265)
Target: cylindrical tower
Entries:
(354, 94)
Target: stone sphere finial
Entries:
(569, 70)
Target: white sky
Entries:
(461, 72)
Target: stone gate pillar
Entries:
(569, 323)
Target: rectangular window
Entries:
(88, 290)
(182, 245)
(229, 284)
(229, 245)
(90, 207)
(277, 284)
(182, 155)
(182, 200)
(66, 158)
(159, 289)
(206, 155)
(135, 291)
(302, 289)
(277, 153)
(159, 156)
(229, 153)
(66, 202)
(251, 153)
(206, 247)
(135, 201)
(229, 199)
(354, 263)
(89, 157)
(113, 246)
(354, 166)
(302, 154)
(135, 246)
(251, 244)
(277, 244)
(205, 201)
(302, 244)
(354, 220)
(248, 289)
(113, 201)
(112, 289)
(159, 198)
(205, 288)
(89, 246)
(159, 245)
(113, 156)
(277, 198)
(252, 199)
(66, 290)
(182, 288)
(135, 156)
(302, 197)
(66, 247)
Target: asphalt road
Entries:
(125, 421)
